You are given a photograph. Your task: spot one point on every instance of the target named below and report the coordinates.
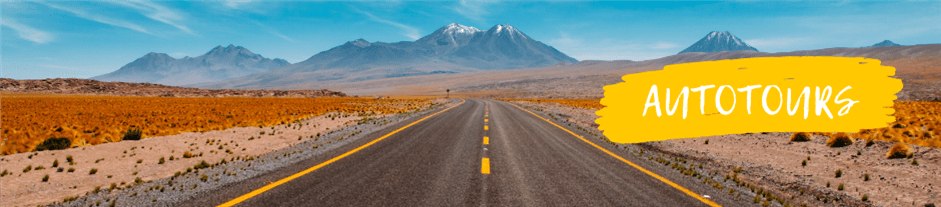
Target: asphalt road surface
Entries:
(444, 161)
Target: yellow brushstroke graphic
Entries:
(766, 94)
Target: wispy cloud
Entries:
(408, 31)
(610, 49)
(178, 54)
(272, 31)
(664, 45)
(773, 42)
(158, 13)
(97, 17)
(26, 32)
(236, 4)
(473, 10)
(59, 67)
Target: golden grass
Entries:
(916, 122)
(27, 120)
(801, 137)
(899, 150)
(840, 139)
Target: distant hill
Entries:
(93, 87)
(885, 43)
(218, 64)
(453, 48)
(718, 42)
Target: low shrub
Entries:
(45, 178)
(161, 161)
(132, 134)
(899, 150)
(93, 171)
(839, 140)
(55, 143)
(801, 137)
(839, 173)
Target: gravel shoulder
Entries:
(768, 167)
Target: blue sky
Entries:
(50, 39)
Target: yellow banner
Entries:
(751, 95)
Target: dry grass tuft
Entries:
(801, 137)
(839, 140)
(899, 150)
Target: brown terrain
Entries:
(93, 87)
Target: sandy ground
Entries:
(122, 162)
(772, 161)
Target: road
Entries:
(442, 160)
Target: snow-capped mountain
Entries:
(718, 42)
(218, 64)
(885, 43)
(453, 48)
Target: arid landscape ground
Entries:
(796, 172)
(759, 168)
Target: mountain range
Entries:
(218, 64)
(453, 48)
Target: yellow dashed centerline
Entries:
(485, 120)
(486, 140)
(486, 128)
(485, 166)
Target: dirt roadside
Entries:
(768, 167)
(121, 164)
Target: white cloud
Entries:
(178, 54)
(158, 13)
(272, 31)
(474, 10)
(98, 18)
(409, 31)
(607, 49)
(59, 67)
(774, 42)
(26, 32)
(664, 45)
(235, 4)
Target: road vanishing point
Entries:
(476, 153)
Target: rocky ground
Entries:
(93, 87)
(129, 173)
(768, 167)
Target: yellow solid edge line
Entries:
(668, 182)
(486, 140)
(302, 173)
(485, 166)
